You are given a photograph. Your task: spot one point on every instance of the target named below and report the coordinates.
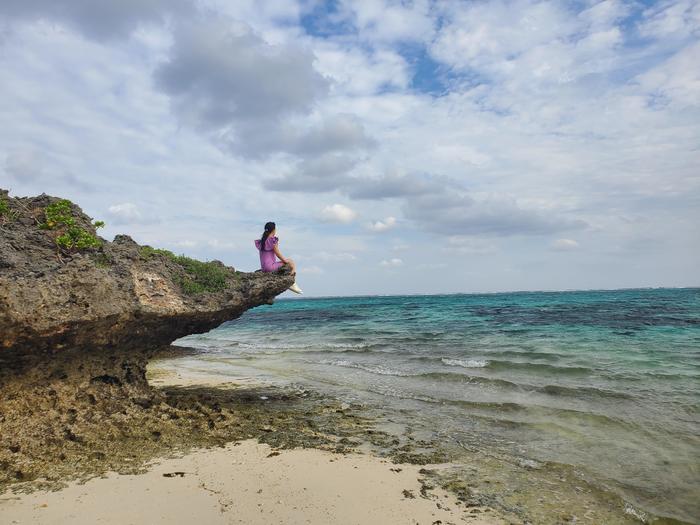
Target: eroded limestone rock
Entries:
(77, 329)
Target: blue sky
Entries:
(401, 147)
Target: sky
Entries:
(402, 147)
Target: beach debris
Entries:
(174, 474)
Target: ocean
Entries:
(604, 382)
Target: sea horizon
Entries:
(446, 294)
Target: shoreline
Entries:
(247, 481)
(288, 424)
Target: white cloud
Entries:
(338, 213)
(335, 256)
(392, 262)
(671, 20)
(676, 81)
(24, 165)
(124, 213)
(28, 166)
(388, 21)
(382, 225)
(221, 245)
(432, 266)
(468, 245)
(185, 243)
(565, 245)
(311, 270)
(361, 71)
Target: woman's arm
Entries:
(278, 254)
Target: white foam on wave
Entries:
(632, 511)
(300, 347)
(267, 348)
(373, 369)
(465, 363)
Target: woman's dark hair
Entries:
(269, 228)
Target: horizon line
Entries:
(571, 290)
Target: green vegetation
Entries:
(102, 260)
(6, 214)
(147, 253)
(198, 276)
(77, 238)
(59, 216)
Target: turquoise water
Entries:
(606, 381)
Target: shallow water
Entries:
(605, 381)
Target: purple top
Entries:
(268, 260)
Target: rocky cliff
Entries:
(117, 295)
(80, 316)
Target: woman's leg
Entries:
(292, 266)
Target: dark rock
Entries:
(51, 303)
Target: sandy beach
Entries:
(248, 482)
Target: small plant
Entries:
(59, 216)
(6, 213)
(148, 252)
(102, 260)
(77, 238)
(198, 276)
(201, 276)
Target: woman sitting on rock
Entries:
(269, 252)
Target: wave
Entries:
(518, 414)
(582, 391)
(547, 356)
(539, 367)
(465, 363)
(373, 369)
(274, 348)
(577, 392)
(499, 364)
(556, 391)
(493, 360)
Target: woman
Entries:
(267, 246)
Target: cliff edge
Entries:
(111, 295)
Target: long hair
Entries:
(269, 228)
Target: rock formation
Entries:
(77, 325)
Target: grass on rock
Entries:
(198, 276)
(6, 213)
